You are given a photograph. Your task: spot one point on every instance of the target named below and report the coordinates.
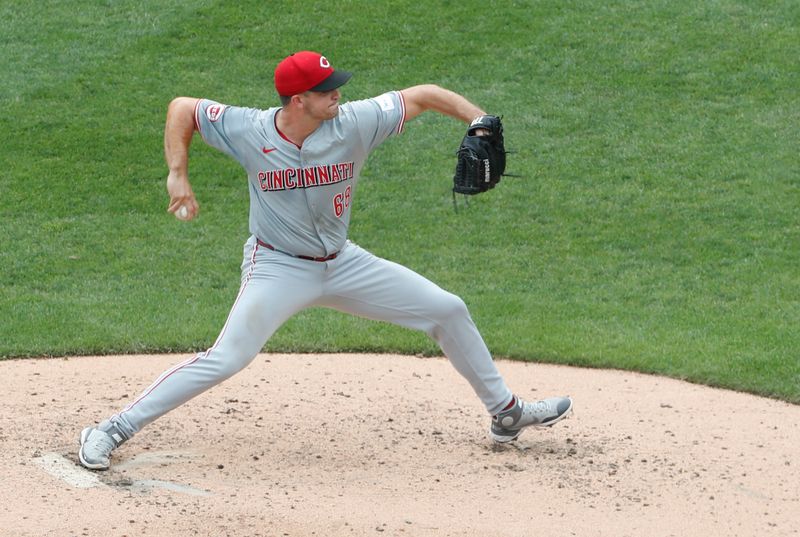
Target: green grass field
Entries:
(655, 228)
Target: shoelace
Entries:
(102, 445)
(535, 408)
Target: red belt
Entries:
(306, 257)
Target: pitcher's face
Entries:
(321, 105)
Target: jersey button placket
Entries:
(313, 209)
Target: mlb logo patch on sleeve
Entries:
(385, 102)
(214, 112)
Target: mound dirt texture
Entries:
(380, 445)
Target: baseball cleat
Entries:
(97, 445)
(508, 424)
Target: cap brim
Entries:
(337, 79)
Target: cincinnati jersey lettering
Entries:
(310, 177)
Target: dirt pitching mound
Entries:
(345, 445)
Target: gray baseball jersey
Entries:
(300, 198)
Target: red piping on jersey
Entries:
(403, 115)
(196, 109)
(275, 120)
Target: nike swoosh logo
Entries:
(265, 150)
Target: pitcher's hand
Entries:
(181, 195)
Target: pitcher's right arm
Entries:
(178, 131)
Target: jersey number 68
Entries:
(341, 201)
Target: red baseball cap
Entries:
(307, 71)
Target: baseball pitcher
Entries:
(303, 161)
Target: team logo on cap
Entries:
(324, 63)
